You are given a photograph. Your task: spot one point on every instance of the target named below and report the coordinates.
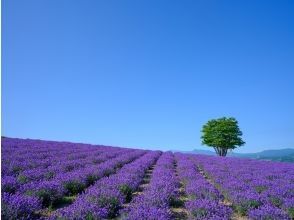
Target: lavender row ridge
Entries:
(106, 196)
(51, 172)
(49, 192)
(52, 180)
(161, 192)
(204, 200)
(264, 192)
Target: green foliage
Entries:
(63, 202)
(49, 175)
(243, 207)
(74, 187)
(199, 213)
(112, 204)
(291, 212)
(22, 179)
(47, 197)
(260, 189)
(90, 216)
(222, 134)
(176, 202)
(276, 201)
(127, 191)
(90, 179)
(16, 169)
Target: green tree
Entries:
(222, 134)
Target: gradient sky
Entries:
(148, 74)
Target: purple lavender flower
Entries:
(150, 213)
(40, 173)
(9, 184)
(289, 206)
(207, 209)
(81, 210)
(48, 192)
(267, 212)
(106, 194)
(159, 194)
(19, 206)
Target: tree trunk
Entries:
(224, 152)
(221, 151)
(217, 151)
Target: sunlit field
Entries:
(61, 180)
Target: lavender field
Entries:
(61, 180)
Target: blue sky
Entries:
(148, 74)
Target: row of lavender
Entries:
(159, 196)
(106, 197)
(258, 189)
(59, 170)
(38, 174)
(204, 200)
(23, 199)
(19, 156)
(73, 180)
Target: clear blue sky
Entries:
(148, 74)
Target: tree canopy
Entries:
(222, 134)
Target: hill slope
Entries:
(61, 180)
(283, 155)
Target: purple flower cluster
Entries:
(207, 209)
(106, 196)
(17, 206)
(267, 212)
(76, 181)
(104, 182)
(72, 170)
(22, 155)
(80, 210)
(204, 198)
(159, 194)
(48, 192)
(252, 185)
(9, 184)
